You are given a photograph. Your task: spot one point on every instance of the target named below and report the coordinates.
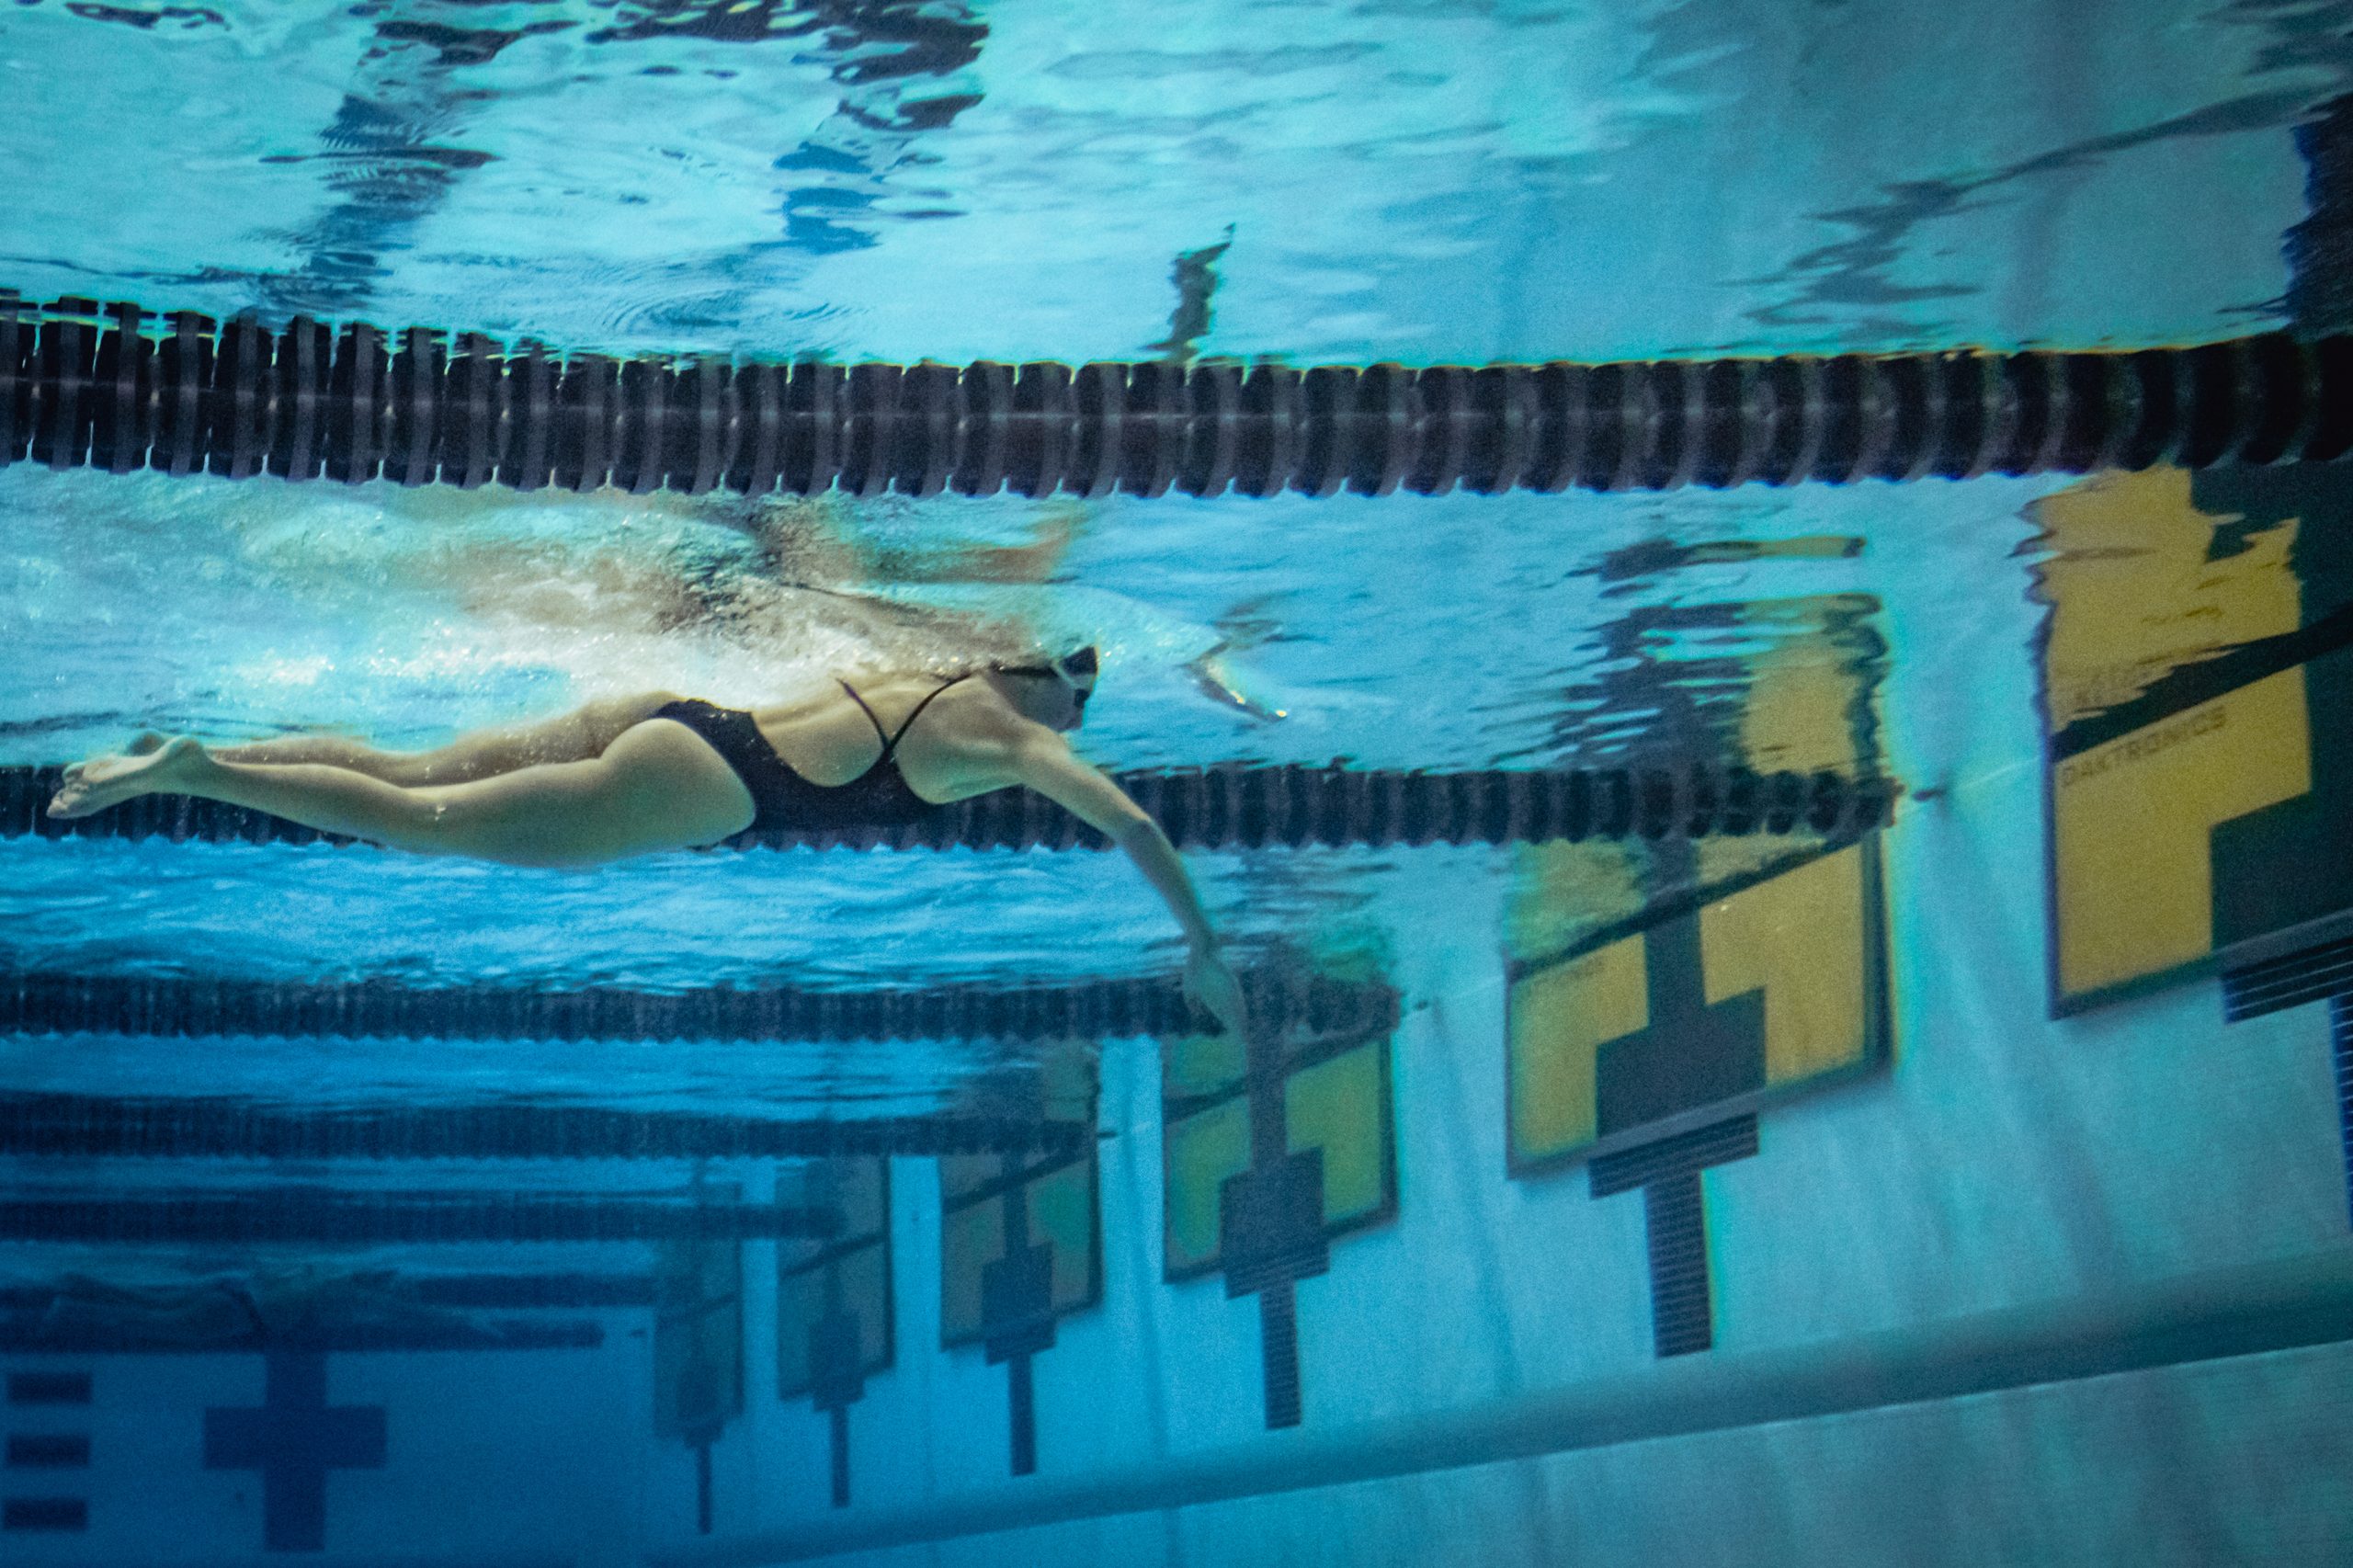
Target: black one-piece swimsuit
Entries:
(781, 798)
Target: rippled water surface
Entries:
(1415, 181)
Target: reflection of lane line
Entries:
(319, 1215)
(1855, 269)
(828, 1343)
(86, 1126)
(494, 1334)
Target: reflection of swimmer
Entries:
(655, 772)
(812, 542)
(811, 547)
(880, 585)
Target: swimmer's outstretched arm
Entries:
(1044, 762)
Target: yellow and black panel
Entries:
(2197, 681)
(1799, 695)
(1690, 1013)
(1021, 1249)
(697, 1338)
(1058, 1207)
(1331, 1095)
(834, 1296)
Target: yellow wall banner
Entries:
(1331, 1095)
(834, 1296)
(699, 1338)
(1696, 1012)
(994, 1206)
(2198, 698)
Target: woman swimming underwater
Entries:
(657, 772)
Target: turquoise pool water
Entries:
(2036, 1259)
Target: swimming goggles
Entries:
(1071, 669)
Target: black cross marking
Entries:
(1690, 1053)
(1270, 1231)
(836, 1377)
(1675, 1213)
(294, 1439)
(1017, 1315)
(836, 1339)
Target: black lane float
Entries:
(1228, 807)
(243, 1216)
(123, 387)
(35, 1003)
(94, 1126)
(74, 1125)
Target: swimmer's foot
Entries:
(105, 781)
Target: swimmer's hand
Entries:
(1042, 760)
(1210, 983)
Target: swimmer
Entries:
(658, 772)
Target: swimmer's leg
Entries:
(659, 786)
(575, 736)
